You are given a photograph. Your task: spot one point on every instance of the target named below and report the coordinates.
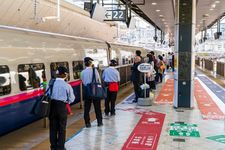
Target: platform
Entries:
(159, 126)
(115, 134)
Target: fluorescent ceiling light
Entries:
(217, 2)
(157, 10)
(154, 3)
(214, 5)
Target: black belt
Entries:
(57, 101)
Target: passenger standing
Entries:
(164, 61)
(164, 58)
(161, 67)
(61, 94)
(86, 77)
(151, 76)
(138, 53)
(111, 77)
(170, 60)
(173, 63)
(155, 66)
(136, 77)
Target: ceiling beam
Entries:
(211, 24)
(138, 11)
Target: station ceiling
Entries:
(162, 12)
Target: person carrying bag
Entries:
(61, 95)
(92, 92)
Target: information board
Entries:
(145, 68)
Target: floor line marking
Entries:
(219, 103)
(166, 93)
(206, 104)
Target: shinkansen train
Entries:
(29, 59)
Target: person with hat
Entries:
(86, 77)
(61, 94)
(111, 78)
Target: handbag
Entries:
(113, 87)
(42, 107)
(94, 90)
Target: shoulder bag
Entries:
(94, 90)
(42, 106)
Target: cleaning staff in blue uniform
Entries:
(111, 77)
(86, 77)
(62, 93)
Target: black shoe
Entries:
(135, 101)
(100, 124)
(88, 125)
(113, 114)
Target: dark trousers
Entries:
(136, 90)
(160, 77)
(57, 124)
(151, 84)
(111, 98)
(98, 112)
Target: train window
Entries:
(5, 82)
(78, 66)
(126, 57)
(54, 66)
(31, 76)
(99, 56)
(114, 56)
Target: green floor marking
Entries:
(218, 138)
(183, 129)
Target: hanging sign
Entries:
(115, 15)
(145, 68)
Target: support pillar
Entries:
(184, 49)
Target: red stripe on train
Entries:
(26, 96)
(75, 83)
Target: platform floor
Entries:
(126, 130)
(117, 129)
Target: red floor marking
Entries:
(146, 133)
(166, 93)
(206, 105)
